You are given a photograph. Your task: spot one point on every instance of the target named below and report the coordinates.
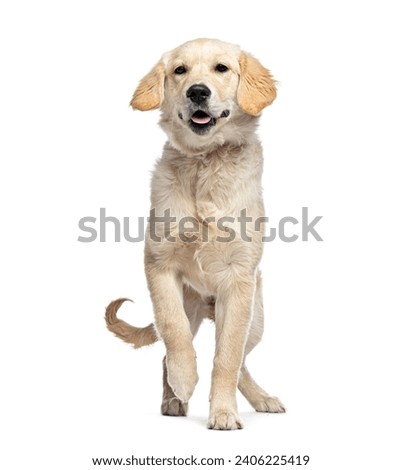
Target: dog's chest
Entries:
(211, 184)
(209, 194)
(204, 198)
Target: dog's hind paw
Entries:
(174, 407)
(269, 405)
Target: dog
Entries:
(204, 262)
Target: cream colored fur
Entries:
(217, 174)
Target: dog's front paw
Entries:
(174, 407)
(224, 419)
(182, 374)
(269, 404)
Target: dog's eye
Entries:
(180, 70)
(221, 68)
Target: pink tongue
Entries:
(201, 120)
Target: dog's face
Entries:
(201, 82)
(205, 88)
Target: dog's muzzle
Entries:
(201, 120)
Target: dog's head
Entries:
(209, 92)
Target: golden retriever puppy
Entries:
(204, 237)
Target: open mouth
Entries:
(201, 122)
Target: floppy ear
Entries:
(256, 88)
(149, 93)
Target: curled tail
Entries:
(138, 337)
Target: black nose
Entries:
(198, 93)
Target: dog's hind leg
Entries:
(196, 310)
(259, 399)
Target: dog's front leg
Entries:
(173, 327)
(233, 310)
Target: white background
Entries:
(70, 145)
